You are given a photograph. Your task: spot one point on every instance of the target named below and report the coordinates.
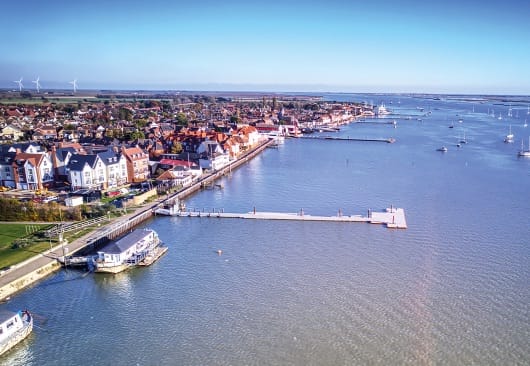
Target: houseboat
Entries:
(134, 249)
(14, 327)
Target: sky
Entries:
(444, 46)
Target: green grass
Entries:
(11, 232)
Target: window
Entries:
(10, 324)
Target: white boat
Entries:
(381, 110)
(525, 124)
(442, 149)
(169, 209)
(14, 327)
(523, 152)
(509, 137)
(129, 251)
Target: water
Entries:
(451, 289)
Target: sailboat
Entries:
(463, 140)
(525, 124)
(509, 136)
(523, 152)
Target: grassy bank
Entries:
(25, 238)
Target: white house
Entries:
(116, 168)
(32, 171)
(214, 162)
(86, 172)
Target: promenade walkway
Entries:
(25, 273)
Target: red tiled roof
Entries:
(177, 162)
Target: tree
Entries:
(136, 135)
(125, 114)
(176, 148)
(182, 119)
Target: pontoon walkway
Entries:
(391, 217)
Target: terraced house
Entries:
(103, 170)
(32, 171)
(137, 162)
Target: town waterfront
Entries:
(450, 289)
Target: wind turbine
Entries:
(74, 83)
(37, 84)
(19, 82)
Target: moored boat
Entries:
(128, 251)
(509, 137)
(14, 327)
(442, 149)
(524, 153)
(382, 110)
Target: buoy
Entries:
(219, 252)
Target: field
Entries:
(22, 233)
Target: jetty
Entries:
(393, 218)
(389, 140)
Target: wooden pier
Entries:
(393, 218)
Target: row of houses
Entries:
(29, 166)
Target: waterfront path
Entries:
(23, 274)
(391, 217)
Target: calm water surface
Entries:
(451, 289)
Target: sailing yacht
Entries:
(509, 137)
(463, 140)
(525, 124)
(523, 152)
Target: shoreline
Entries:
(34, 269)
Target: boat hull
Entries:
(17, 337)
(112, 269)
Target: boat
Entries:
(463, 140)
(381, 110)
(509, 137)
(14, 327)
(442, 149)
(524, 153)
(129, 251)
(525, 124)
(170, 209)
(277, 136)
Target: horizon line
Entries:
(257, 91)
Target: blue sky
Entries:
(465, 46)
